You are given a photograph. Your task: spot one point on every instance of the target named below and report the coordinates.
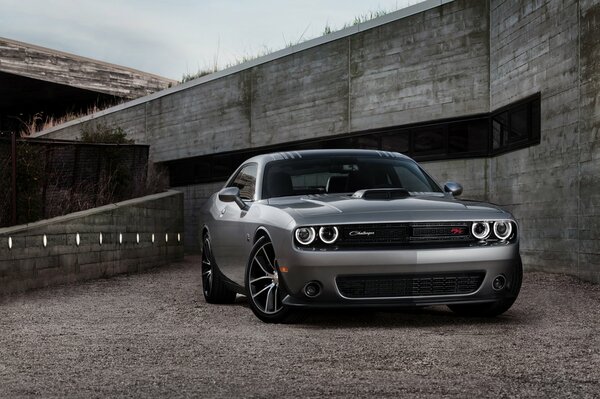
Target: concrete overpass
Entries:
(37, 80)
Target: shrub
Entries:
(102, 133)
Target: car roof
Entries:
(308, 154)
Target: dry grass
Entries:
(40, 122)
(359, 19)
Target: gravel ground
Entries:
(152, 335)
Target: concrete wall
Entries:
(24, 59)
(535, 47)
(589, 140)
(194, 198)
(422, 66)
(416, 67)
(29, 264)
(471, 173)
(552, 47)
(432, 65)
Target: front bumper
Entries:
(324, 267)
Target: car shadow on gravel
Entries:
(430, 316)
(421, 317)
(402, 317)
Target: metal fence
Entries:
(54, 178)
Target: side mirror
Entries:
(454, 188)
(232, 194)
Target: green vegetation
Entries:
(115, 183)
(56, 179)
(102, 133)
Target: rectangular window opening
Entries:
(509, 128)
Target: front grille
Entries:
(404, 234)
(390, 233)
(436, 232)
(408, 285)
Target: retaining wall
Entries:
(426, 62)
(126, 237)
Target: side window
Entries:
(246, 182)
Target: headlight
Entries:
(305, 235)
(480, 230)
(502, 229)
(328, 234)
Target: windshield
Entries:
(343, 175)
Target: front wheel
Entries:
(494, 308)
(265, 293)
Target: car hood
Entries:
(340, 208)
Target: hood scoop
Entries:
(382, 194)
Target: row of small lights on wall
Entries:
(100, 239)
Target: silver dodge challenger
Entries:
(354, 228)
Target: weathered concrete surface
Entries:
(589, 141)
(303, 96)
(430, 66)
(551, 47)
(24, 59)
(534, 48)
(194, 198)
(208, 118)
(420, 67)
(26, 263)
(151, 335)
(471, 173)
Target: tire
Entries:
(265, 293)
(214, 288)
(494, 308)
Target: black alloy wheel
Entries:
(263, 286)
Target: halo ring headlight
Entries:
(480, 230)
(502, 229)
(328, 234)
(305, 235)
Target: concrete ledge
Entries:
(126, 237)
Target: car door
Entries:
(229, 238)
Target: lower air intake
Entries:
(408, 285)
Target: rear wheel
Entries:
(493, 308)
(265, 293)
(215, 290)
